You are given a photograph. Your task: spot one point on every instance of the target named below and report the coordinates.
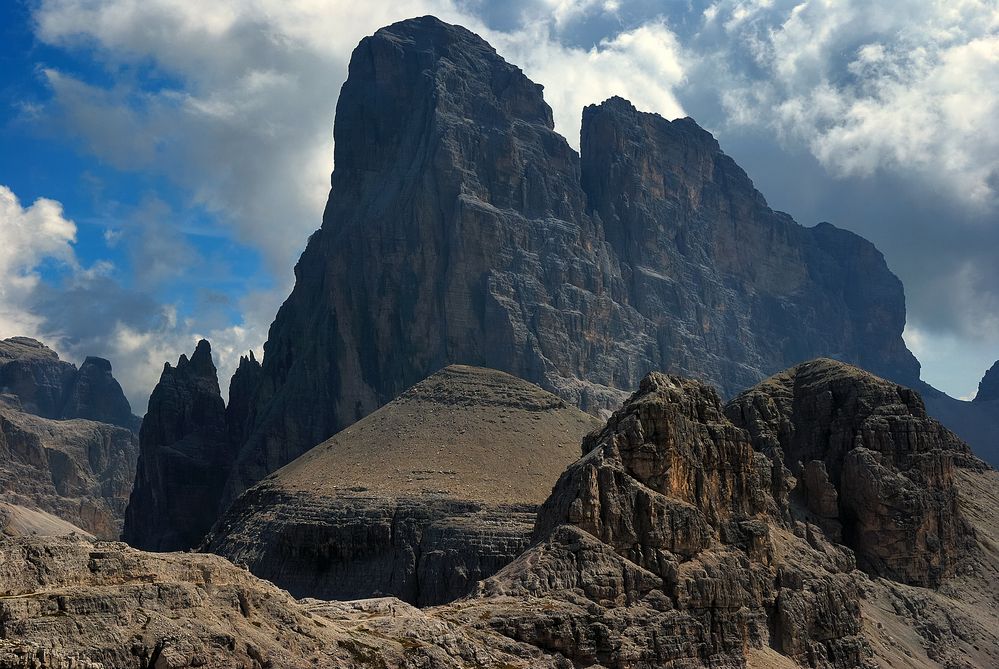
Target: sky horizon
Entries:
(162, 163)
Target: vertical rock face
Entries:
(731, 287)
(988, 389)
(33, 376)
(866, 455)
(460, 228)
(78, 470)
(96, 395)
(183, 459)
(35, 380)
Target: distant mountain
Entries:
(461, 228)
(988, 389)
(67, 446)
(977, 421)
(35, 380)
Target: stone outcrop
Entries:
(183, 457)
(78, 470)
(419, 500)
(664, 547)
(988, 389)
(867, 456)
(33, 379)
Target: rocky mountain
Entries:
(33, 379)
(420, 500)
(976, 422)
(988, 389)
(461, 228)
(680, 539)
(67, 449)
(183, 457)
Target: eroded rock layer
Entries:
(78, 470)
(871, 465)
(672, 543)
(33, 379)
(420, 500)
(681, 539)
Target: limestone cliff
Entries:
(78, 470)
(988, 389)
(67, 445)
(34, 379)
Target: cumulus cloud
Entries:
(910, 87)
(85, 310)
(32, 236)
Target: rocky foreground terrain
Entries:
(820, 519)
(67, 451)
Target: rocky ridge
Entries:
(419, 500)
(67, 448)
(988, 389)
(674, 542)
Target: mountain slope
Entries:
(420, 499)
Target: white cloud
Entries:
(643, 65)
(40, 235)
(911, 87)
(31, 237)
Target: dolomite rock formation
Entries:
(183, 457)
(419, 500)
(887, 469)
(70, 603)
(33, 379)
(680, 538)
(461, 228)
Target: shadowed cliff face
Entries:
(988, 389)
(461, 229)
(183, 457)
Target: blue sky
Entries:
(163, 162)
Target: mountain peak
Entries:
(988, 389)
